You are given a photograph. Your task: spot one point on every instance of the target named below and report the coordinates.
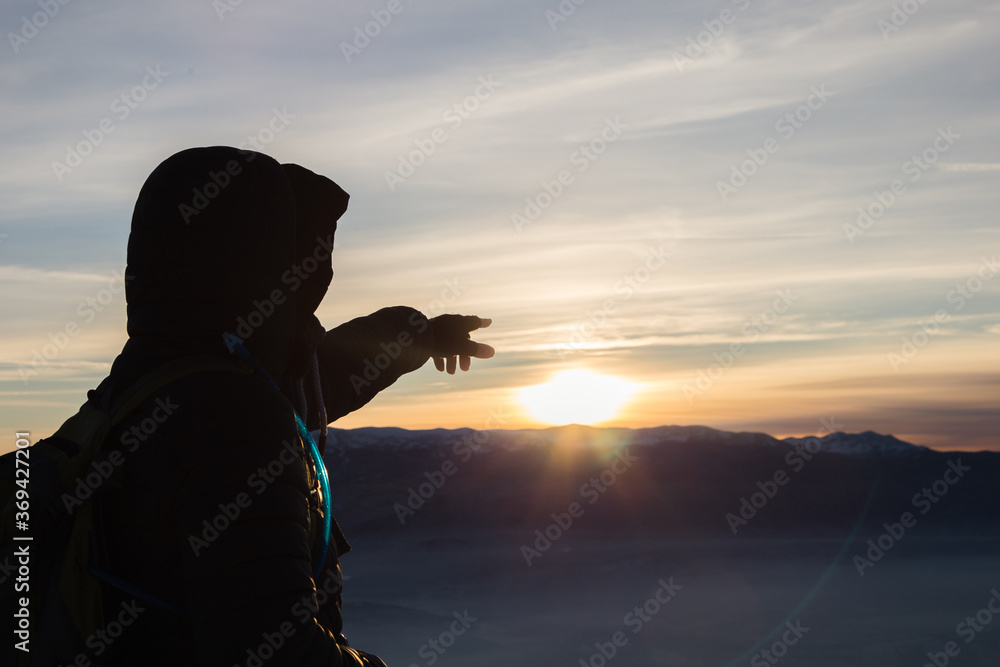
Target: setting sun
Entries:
(576, 396)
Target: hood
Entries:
(229, 240)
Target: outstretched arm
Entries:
(360, 358)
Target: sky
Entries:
(763, 216)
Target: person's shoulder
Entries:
(215, 404)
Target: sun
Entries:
(576, 397)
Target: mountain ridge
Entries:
(866, 443)
(682, 481)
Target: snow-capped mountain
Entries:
(864, 444)
(676, 480)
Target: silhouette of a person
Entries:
(210, 525)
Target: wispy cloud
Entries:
(688, 128)
(971, 166)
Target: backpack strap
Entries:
(89, 427)
(134, 395)
(160, 377)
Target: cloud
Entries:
(971, 166)
(688, 127)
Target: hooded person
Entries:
(208, 529)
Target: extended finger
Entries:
(473, 322)
(470, 348)
(451, 365)
(464, 362)
(439, 363)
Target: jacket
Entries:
(211, 515)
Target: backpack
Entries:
(48, 552)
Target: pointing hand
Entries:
(452, 340)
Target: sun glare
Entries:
(576, 397)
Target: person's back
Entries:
(196, 525)
(209, 528)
